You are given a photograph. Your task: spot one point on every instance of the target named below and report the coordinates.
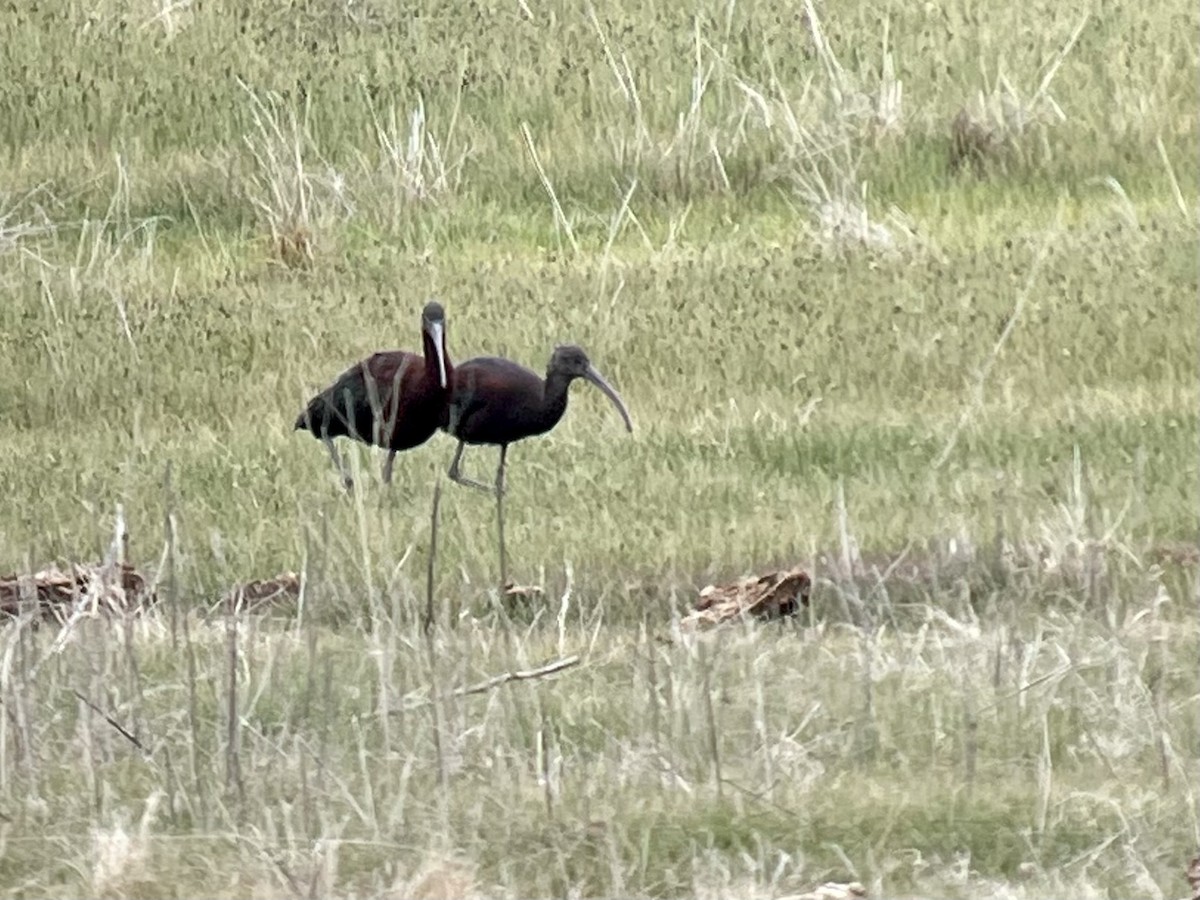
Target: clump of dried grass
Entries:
(297, 194)
(824, 133)
(120, 857)
(1001, 126)
(437, 879)
(83, 588)
(771, 596)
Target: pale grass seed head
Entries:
(411, 164)
(438, 878)
(296, 192)
(120, 858)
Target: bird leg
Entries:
(347, 481)
(387, 466)
(500, 471)
(500, 519)
(456, 475)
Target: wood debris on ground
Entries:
(832, 891)
(771, 596)
(514, 591)
(972, 142)
(263, 593)
(1178, 553)
(84, 587)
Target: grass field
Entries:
(950, 368)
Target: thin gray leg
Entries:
(500, 518)
(457, 476)
(387, 466)
(347, 481)
(500, 471)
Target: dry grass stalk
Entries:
(550, 668)
(999, 125)
(833, 891)
(771, 596)
(543, 671)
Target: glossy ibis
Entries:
(496, 401)
(393, 399)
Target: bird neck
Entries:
(554, 396)
(431, 358)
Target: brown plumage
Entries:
(393, 399)
(496, 401)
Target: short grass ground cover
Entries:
(950, 368)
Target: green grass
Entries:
(968, 403)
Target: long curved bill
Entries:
(609, 391)
(437, 334)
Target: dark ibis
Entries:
(496, 401)
(394, 399)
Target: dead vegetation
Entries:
(524, 592)
(999, 130)
(106, 589)
(972, 142)
(263, 594)
(909, 576)
(86, 587)
(775, 595)
(1001, 126)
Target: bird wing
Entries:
(487, 386)
(361, 395)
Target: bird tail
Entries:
(310, 416)
(322, 420)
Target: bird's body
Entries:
(393, 399)
(386, 400)
(496, 401)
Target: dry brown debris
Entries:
(255, 596)
(1193, 877)
(518, 597)
(771, 596)
(1177, 553)
(102, 588)
(972, 141)
(295, 248)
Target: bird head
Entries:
(570, 361)
(433, 323)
